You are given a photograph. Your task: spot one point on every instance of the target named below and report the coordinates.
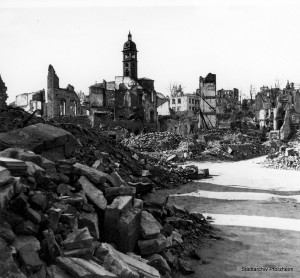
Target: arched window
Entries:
(62, 107)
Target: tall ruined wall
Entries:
(60, 102)
(3, 95)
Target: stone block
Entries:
(89, 220)
(80, 268)
(32, 215)
(39, 201)
(94, 176)
(53, 271)
(79, 238)
(117, 180)
(30, 259)
(8, 266)
(7, 233)
(54, 216)
(53, 247)
(110, 259)
(152, 246)
(6, 193)
(155, 200)
(41, 139)
(5, 176)
(16, 167)
(150, 227)
(113, 192)
(159, 263)
(142, 187)
(94, 194)
(21, 241)
(129, 229)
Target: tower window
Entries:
(127, 65)
(179, 101)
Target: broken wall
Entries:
(3, 95)
(60, 102)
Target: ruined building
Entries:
(3, 95)
(60, 102)
(278, 109)
(127, 98)
(31, 102)
(208, 101)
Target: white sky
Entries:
(243, 42)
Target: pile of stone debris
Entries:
(152, 142)
(288, 158)
(79, 206)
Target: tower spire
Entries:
(129, 36)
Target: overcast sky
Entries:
(243, 42)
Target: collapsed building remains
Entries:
(278, 110)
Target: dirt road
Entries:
(257, 211)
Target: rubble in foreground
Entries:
(93, 211)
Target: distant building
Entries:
(208, 101)
(31, 102)
(163, 105)
(185, 102)
(227, 100)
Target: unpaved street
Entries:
(257, 212)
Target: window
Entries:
(62, 107)
(173, 100)
(179, 101)
(190, 107)
(152, 116)
(192, 101)
(178, 108)
(189, 100)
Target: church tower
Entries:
(130, 58)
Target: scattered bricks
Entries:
(146, 173)
(150, 227)
(180, 210)
(53, 271)
(69, 219)
(142, 187)
(138, 203)
(205, 172)
(111, 260)
(113, 192)
(8, 266)
(21, 241)
(167, 229)
(63, 178)
(27, 228)
(95, 176)
(49, 167)
(39, 201)
(7, 233)
(170, 258)
(79, 238)
(5, 176)
(54, 216)
(93, 193)
(83, 253)
(89, 220)
(16, 167)
(29, 156)
(117, 180)
(129, 229)
(32, 215)
(185, 267)
(64, 189)
(80, 268)
(171, 157)
(140, 267)
(52, 246)
(30, 259)
(35, 170)
(152, 246)
(19, 203)
(6, 193)
(159, 263)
